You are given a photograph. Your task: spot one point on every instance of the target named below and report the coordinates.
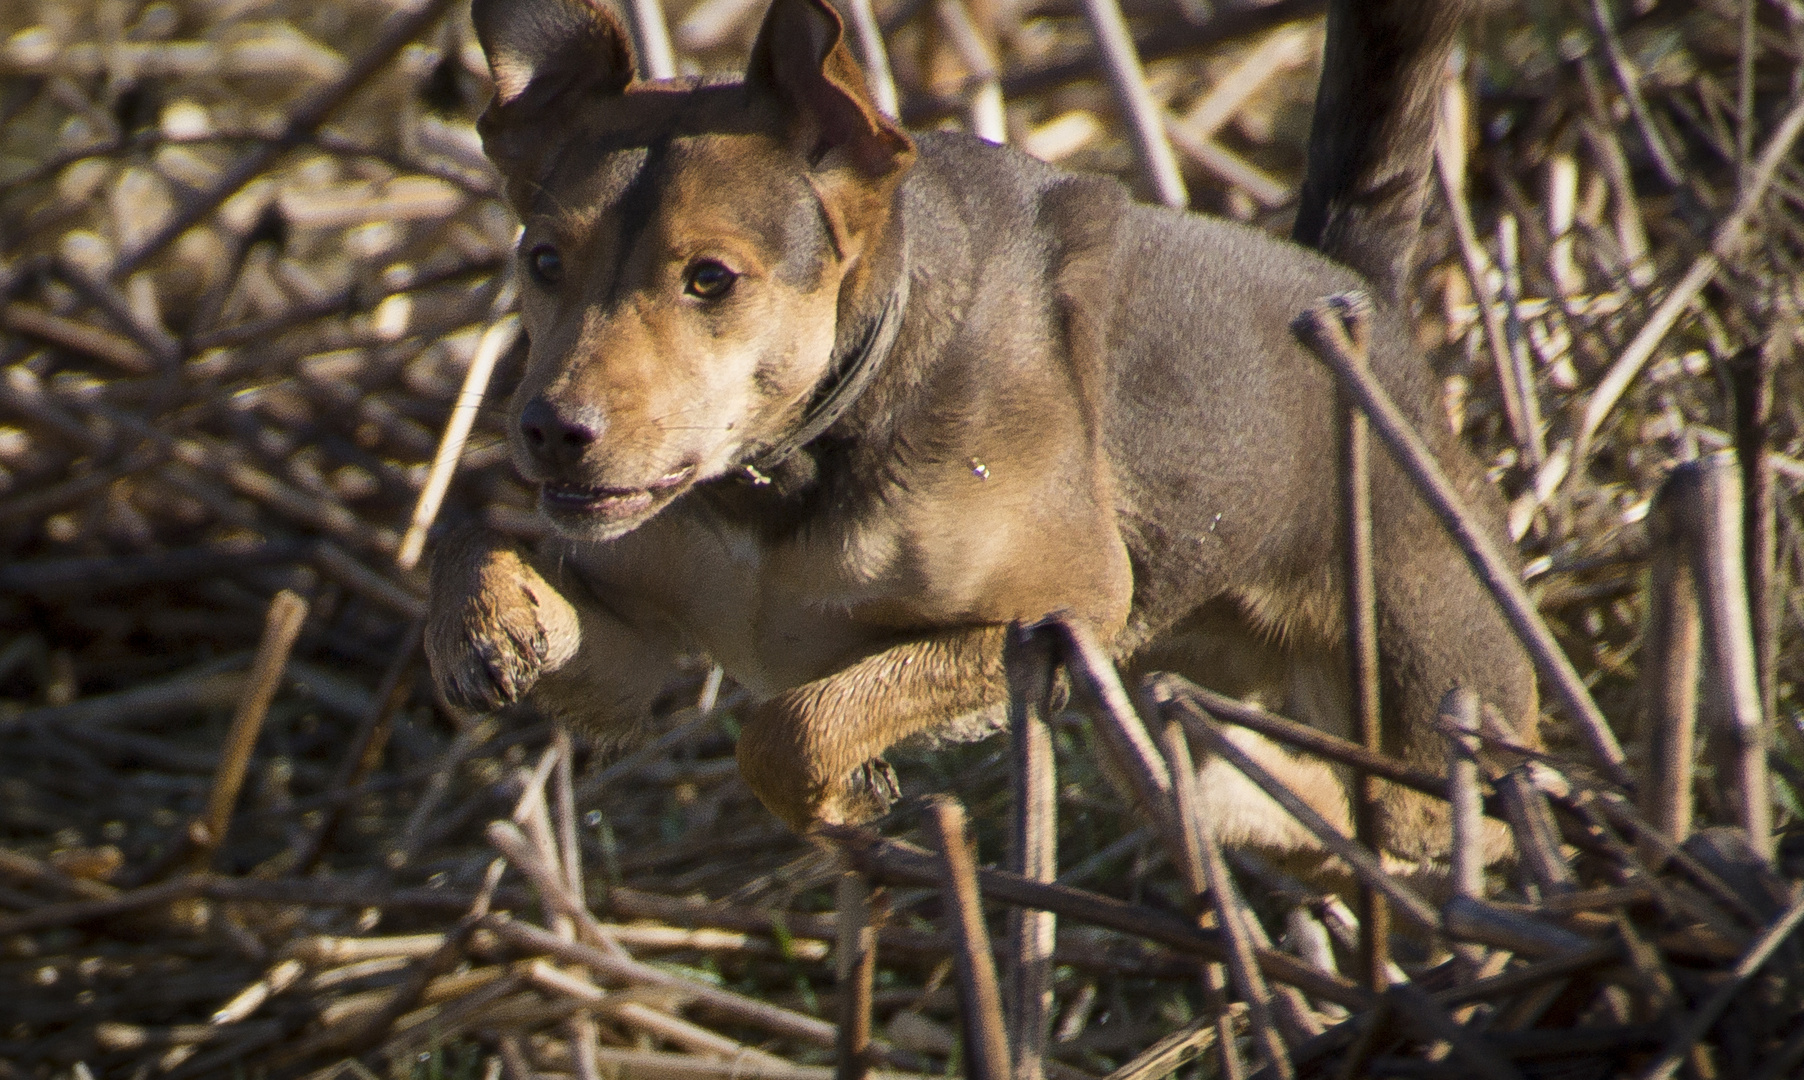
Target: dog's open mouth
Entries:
(613, 503)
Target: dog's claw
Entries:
(874, 787)
(490, 652)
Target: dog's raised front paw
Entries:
(493, 627)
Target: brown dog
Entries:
(835, 405)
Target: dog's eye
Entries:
(546, 264)
(709, 280)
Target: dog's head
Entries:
(686, 251)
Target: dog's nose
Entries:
(557, 437)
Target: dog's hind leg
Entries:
(1438, 628)
(802, 751)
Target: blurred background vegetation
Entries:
(248, 249)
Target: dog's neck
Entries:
(873, 306)
(863, 344)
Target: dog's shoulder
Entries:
(1011, 197)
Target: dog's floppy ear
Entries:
(801, 57)
(542, 50)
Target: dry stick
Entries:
(1130, 745)
(1319, 328)
(1360, 861)
(526, 857)
(1229, 167)
(76, 912)
(1725, 243)
(867, 43)
(899, 864)
(1603, 812)
(1033, 847)
(1124, 733)
(281, 626)
(712, 23)
(980, 1000)
(987, 118)
(1193, 134)
(1669, 680)
(1630, 82)
(342, 567)
(313, 110)
(856, 967)
(495, 343)
(1435, 1023)
(455, 1017)
(649, 1065)
(1285, 50)
(1537, 836)
(1292, 733)
(1459, 715)
(1522, 375)
(584, 1038)
(1355, 319)
(593, 784)
(1722, 585)
(369, 1029)
(1195, 872)
(1752, 373)
(365, 752)
(569, 851)
(1470, 919)
(413, 831)
(1230, 911)
(1169, 1054)
(73, 335)
(745, 1010)
(691, 1037)
(22, 867)
(1527, 977)
(1145, 116)
(1366, 1033)
(149, 334)
(1699, 1022)
(1450, 170)
(1599, 133)
(1175, 37)
(1744, 86)
(651, 39)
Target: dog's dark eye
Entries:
(710, 280)
(546, 264)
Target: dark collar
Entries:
(852, 374)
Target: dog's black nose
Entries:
(557, 437)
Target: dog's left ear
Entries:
(801, 57)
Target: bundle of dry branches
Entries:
(254, 310)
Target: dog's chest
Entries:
(777, 613)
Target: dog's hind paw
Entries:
(871, 790)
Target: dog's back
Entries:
(1218, 439)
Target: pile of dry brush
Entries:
(251, 258)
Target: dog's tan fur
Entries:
(1089, 408)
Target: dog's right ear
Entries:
(542, 50)
(801, 58)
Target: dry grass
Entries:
(193, 422)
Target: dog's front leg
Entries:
(497, 630)
(802, 749)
